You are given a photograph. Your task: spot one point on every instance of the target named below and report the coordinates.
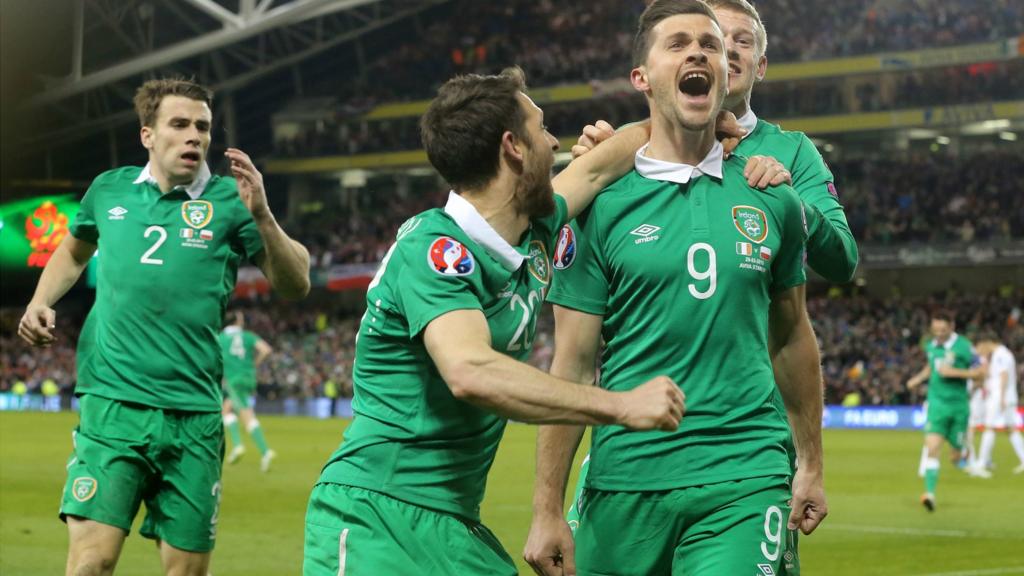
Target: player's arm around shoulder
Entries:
(590, 173)
(796, 363)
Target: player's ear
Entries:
(762, 68)
(512, 146)
(638, 78)
(146, 137)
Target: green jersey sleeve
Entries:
(964, 352)
(831, 248)
(580, 281)
(84, 227)
(788, 267)
(552, 225)
(437, 275)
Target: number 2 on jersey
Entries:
(161, 238)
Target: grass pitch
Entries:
(876, 525)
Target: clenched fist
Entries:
(657, 404)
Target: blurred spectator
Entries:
(870, 347)
(934, 198)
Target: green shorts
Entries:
(791, 563)
(357, 532)
(736, 527)
(948, 422)
(125, 454)
(241, 394)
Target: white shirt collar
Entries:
(748, 122)
(232, 329)
(474, 225)
(194, 190)
(679, 173)
(948, 343)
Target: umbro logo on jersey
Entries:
(766, 569)
(645, 230)
(117, 213)
(646, 233)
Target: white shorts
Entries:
(1005, 418)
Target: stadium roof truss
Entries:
(227, 44)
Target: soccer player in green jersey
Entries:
(149, 368)
(723, 316)
(831, 249)
(440, 356)
(243, 352)
(950, 365)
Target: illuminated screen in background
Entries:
(30, 231)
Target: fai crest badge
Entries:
(83, 488)
(197, 213)
(565, 248)
(450, 258)
(751, 222)
(538, 263)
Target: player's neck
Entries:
(162, 181)
(496, 205)
(672, 142)
(739, 108)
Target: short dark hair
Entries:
(462, 128)
(152, 92)
(655, 13)
(944, 315)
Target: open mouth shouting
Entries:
(191, 158)
(696, 86)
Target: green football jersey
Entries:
(167, 268)
(957, 352)
(683, 275)
(831, 248)
(238, 349)
(411, 438)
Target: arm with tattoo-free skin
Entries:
(283, 261)
(796, 363)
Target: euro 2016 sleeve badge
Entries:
(448, 257)
(565, 248)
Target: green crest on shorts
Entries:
(83, 488)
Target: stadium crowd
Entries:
(989, 82)
(912, 198)
(870, 347)
(580, 40)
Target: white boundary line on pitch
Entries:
(985, 572)
(917, 531)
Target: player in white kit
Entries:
(1000, 404)
(976, 421)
